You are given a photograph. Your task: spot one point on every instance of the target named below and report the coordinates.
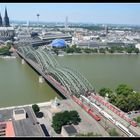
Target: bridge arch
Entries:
(71, 79)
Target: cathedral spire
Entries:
(6, 15)
(6, 19)
(0, 20)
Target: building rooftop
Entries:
(28, 126)
(19, 111)
(6, 129)
(6, 28)
(70, 129)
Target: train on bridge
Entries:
(69, 83)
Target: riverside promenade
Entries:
(19, 106)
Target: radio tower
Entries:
(38, 18)
(66, 22)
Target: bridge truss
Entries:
(72, 80)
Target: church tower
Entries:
(6, 19)
(0, 20)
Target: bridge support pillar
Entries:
(41, 79)
(23, 61)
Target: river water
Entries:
(19, 83)
(106, 70)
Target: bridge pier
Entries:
(41, 79)
(23, 61)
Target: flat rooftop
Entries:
(70, 129)
(19, 111)
(27, 127)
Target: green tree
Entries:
(113, 132)
(112, 98)
(121, 102)
(133, 101)
(137, 119)
(4, 49)
(87, 50)
(64, 118)
(136, 50)
(70, 50)
(129, 50)
(74, 117)
(123, 89)
(95, 50)
(102, 50)
(74, 46)
(35, 108)
(9, 44)
(104, 91)
(77, 50)
(111, 50)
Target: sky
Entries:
(81, 12)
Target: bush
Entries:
(113, 132)
(35, 108)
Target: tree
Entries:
(8, 45)
(77, 50)
(35, 108)
(121, 102)
(4, 49)
(102, 50)
(123, 89)
(64, 118)
(125, 98)
(137, 119)
(69, 50)
(129, 50)
(104, 91)
(95, 50)
(74, 46)
(74, 117)
(113, 132)
(86, 50)
(136, 50)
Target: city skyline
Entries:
(76, 12)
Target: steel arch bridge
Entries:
(72, 80)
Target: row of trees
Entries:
(65, 118)
(113, 49)
(128, 49)
(116, 49)
(124, 97)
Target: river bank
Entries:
(64, 54)
(19, 106)
(8, 57)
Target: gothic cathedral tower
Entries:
(6, 19)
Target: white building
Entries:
(137, 46)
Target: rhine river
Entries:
(19, 83)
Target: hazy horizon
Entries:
(95, 13)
